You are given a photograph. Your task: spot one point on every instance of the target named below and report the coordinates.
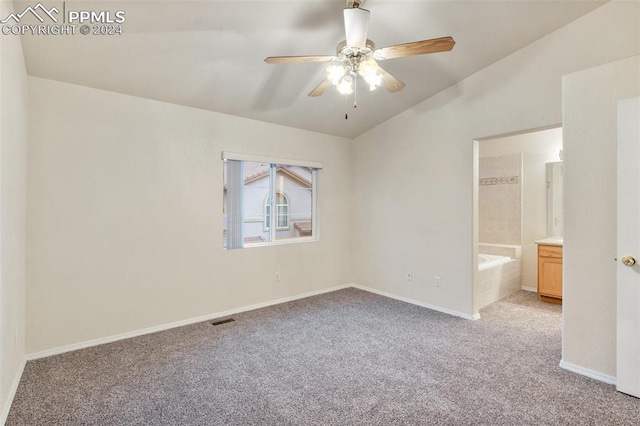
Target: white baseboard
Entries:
(12, 393)
(531, 289)
(136, 333)
(419, 303)
(589, 373)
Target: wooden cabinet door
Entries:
(550, 276)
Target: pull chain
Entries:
(346, 114)
(355, 92)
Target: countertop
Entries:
(551, 241)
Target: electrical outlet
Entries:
(276, 276)
(409, 276)
(436, 281)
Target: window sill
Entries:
(280, 242)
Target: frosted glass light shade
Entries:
(335, 73)
(346, 86)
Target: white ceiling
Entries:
(209, 54)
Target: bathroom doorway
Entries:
(514, 208)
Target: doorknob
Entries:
(628, 261)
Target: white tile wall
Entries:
(500, 199)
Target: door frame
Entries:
(475, 209)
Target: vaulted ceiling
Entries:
(210, 54)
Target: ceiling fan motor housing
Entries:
(354, 56)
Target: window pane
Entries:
(248, 208)
(294, 211)
(282, 216)
(267, 213)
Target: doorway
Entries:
(511, 206)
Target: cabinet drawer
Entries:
(550, 251)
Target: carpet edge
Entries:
(611, 380)
(135, 333)
(418, 303)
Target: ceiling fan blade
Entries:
(320, 88)
(356, 25)
(292, 59)
(391, 83)
(433, 45)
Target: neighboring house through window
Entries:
(255, 187)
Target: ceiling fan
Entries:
(357, 55)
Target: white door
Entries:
(628, 269)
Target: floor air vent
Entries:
(224, 321)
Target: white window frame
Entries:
(267, 204)
(315, 216)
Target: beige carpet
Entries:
(343, 358)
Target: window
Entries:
(255, 187)
(282, 212)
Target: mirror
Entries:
(554, 199)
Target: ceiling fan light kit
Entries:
(355, 60)
(358, 56)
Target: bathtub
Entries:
(499, 272)
(486, 261)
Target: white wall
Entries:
(13, 157)
(125, 215)
(590, 147)
(537, 149)
(414, 173)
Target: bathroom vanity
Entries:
(550, 270)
